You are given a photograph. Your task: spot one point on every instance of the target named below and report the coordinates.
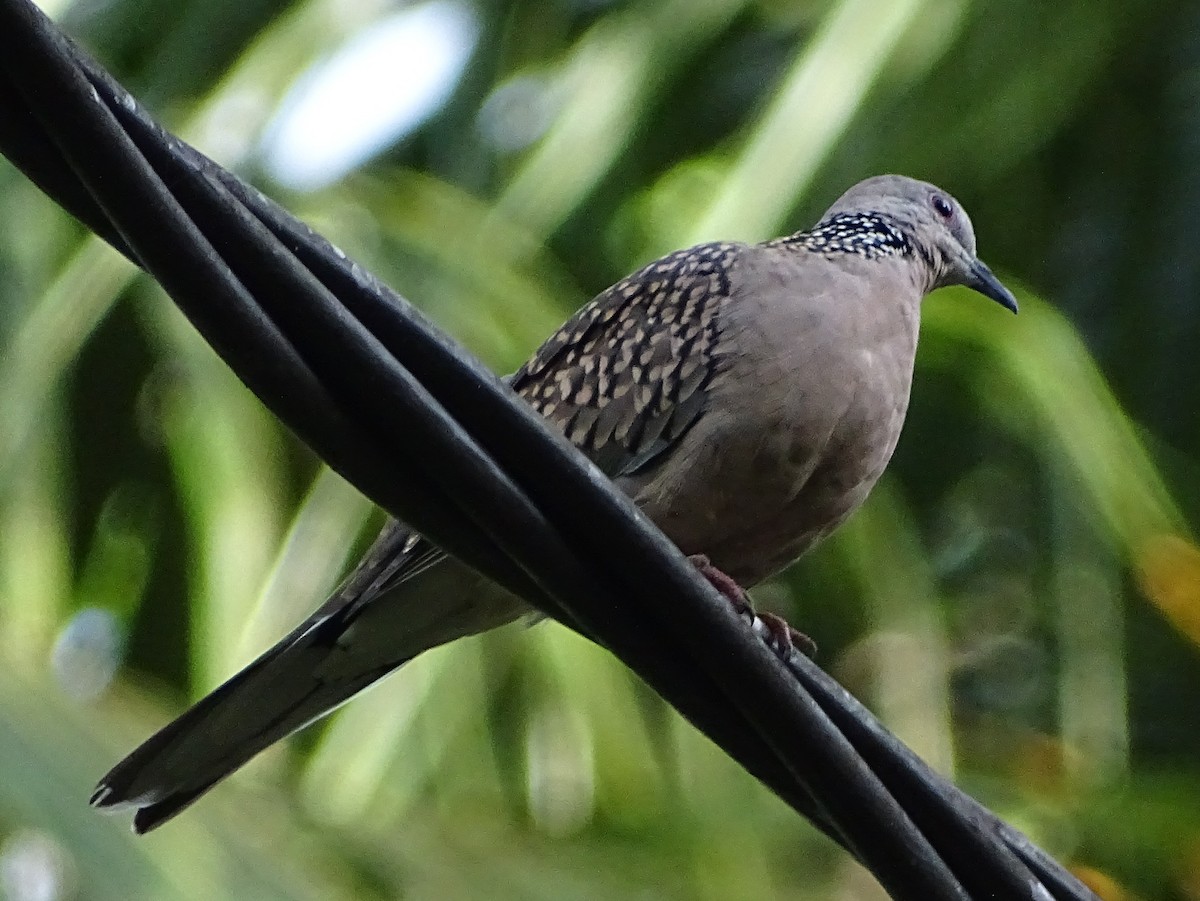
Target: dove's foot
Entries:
(775, 629)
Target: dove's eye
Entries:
(942, 207)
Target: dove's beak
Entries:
(982, 279)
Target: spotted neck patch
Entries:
(868, 235)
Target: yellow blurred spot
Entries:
(1039, 764)
(1169, 570)
(1102, 884)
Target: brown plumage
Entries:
(626, 376)
(746, 396)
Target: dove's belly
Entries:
(755, 488)
(773, 494)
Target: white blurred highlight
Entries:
(373, 91)
(35, 867)
(86, 654)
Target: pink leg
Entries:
(782, 637)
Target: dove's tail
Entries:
(281, 692)
(356, 639)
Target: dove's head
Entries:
(936, 226)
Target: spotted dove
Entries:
(747, 396)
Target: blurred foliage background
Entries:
(1019, 600)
